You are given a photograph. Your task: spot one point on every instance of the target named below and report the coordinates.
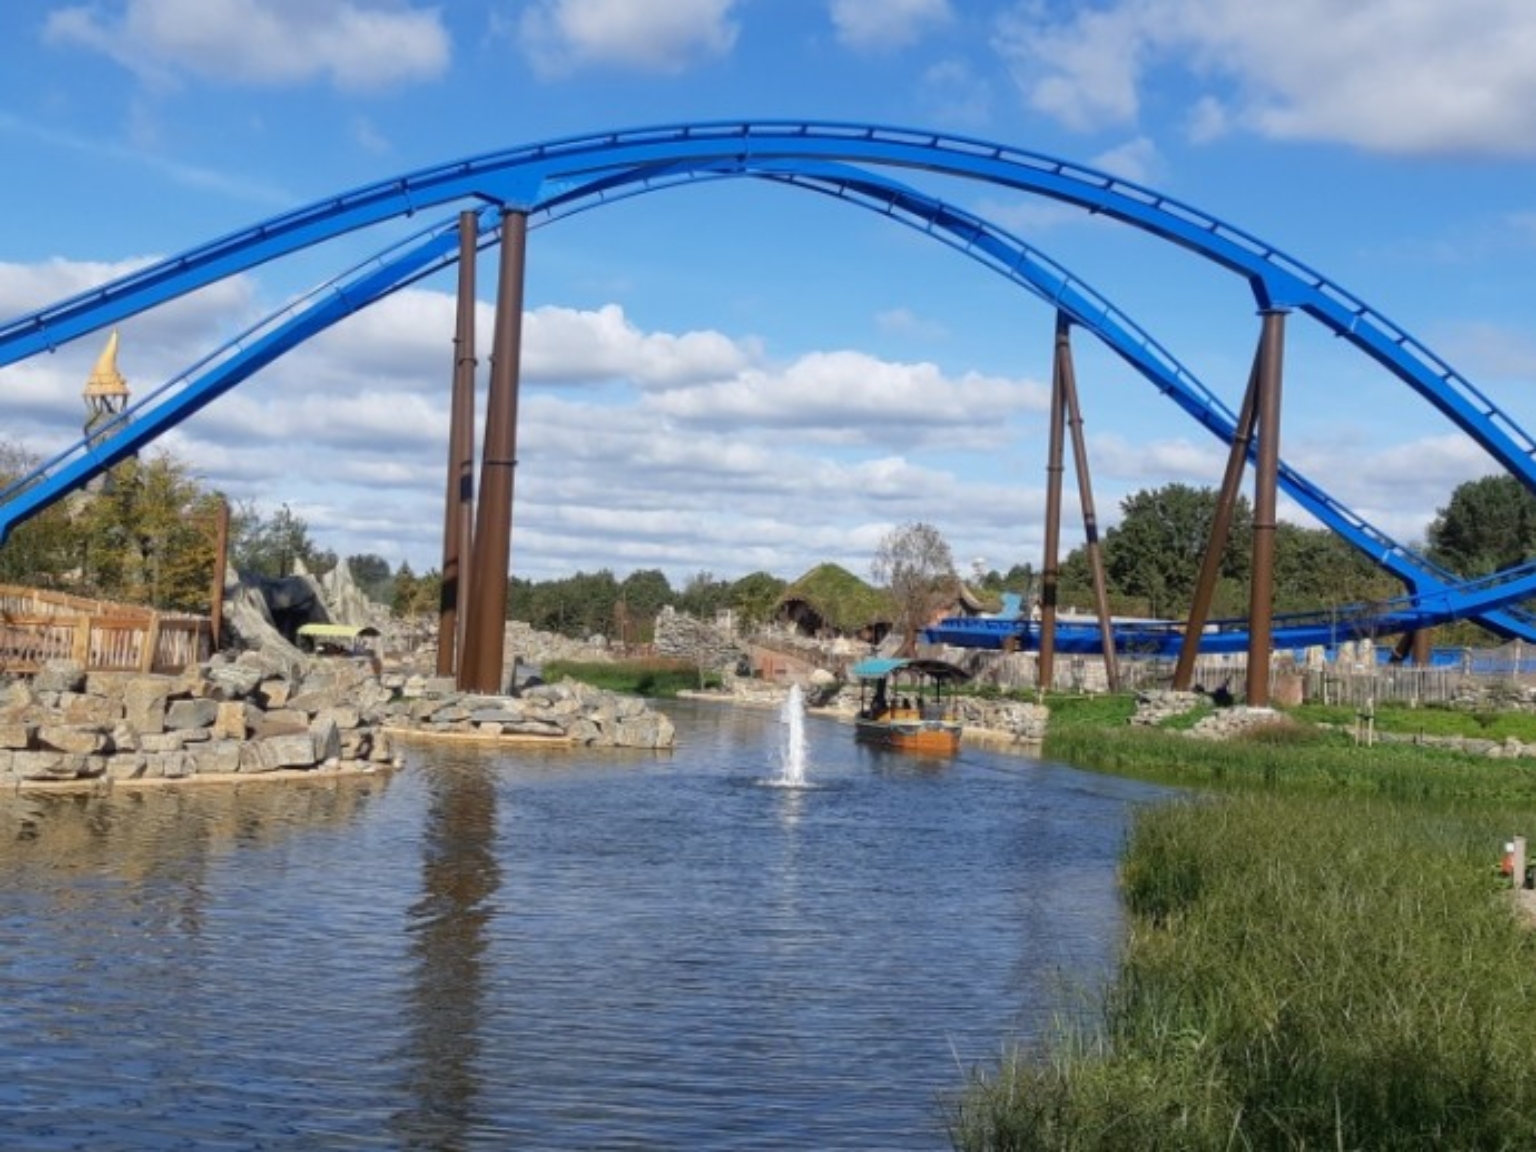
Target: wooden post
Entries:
(220, 574)
(151, 643)
(1517, 863)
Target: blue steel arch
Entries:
(545, 177)
(993, 247)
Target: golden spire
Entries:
(105, 380)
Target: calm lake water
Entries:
(503, 949)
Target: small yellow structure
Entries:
(106, 391)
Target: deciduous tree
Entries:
(1489, 524)
(1156, 550)
(754, 597)
(915, 564)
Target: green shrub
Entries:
(654, 678)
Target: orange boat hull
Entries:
(940, 737)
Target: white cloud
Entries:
(679, 451)
(905, 322)
(241, 186)
(639, 448)
(660, 36)
(564, 344)
(1082, 72)
(957, 93)
(848, 397)
(886, 24)
(1135, 160)
(1154, 463)
(354, 44)
(1397, 76)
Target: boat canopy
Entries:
(879, 668)
(337, 631)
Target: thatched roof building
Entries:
(829, 601)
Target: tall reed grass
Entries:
(1294, 757)
(1300, 972)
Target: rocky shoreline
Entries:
(252, 716)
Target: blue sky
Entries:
(733, 377)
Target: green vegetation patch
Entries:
(1432, 720)
(1293, 757)
(841, 598)
(1300, 973)
(655, 678)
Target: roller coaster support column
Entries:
(459, 506)
(485, 627)
(1266, 482)
(1413, 646)
(1221, 533)
(1050, 571)
(1085, 497)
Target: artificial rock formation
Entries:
(254, 713)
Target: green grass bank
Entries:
(654, 678)
(1319, 955)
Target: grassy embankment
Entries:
(1318, 954)
(655, 678)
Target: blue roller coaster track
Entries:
(849, 161)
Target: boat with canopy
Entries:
(903, 704)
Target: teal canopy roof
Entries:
(878, 668)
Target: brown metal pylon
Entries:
(1068, 378)
(1050, 570)
(1265, 485)
(1221, 533)
(459, 503)
(485, 628)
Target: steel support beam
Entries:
(1221, 533)
(1050, 570)
(459, 502)
(1085, 497)
(485, 628)
(1266, 482)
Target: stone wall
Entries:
(258, 713)
(682, 637)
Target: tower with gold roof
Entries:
(106, 392)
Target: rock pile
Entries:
(256, 713)
(567, 712)
(1154, 705)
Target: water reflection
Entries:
(494, 948)
(140, 835)
(460, 878)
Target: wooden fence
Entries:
(38, 626)
(1331, 684)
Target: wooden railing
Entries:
(38, 626)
